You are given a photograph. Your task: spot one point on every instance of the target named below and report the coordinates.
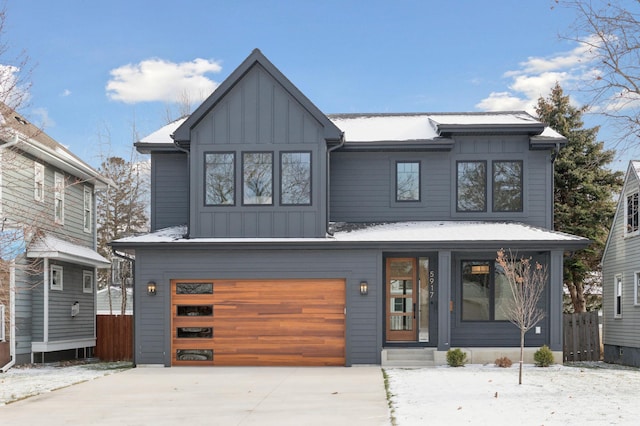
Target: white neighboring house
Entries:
(621, 276)
(48, 246)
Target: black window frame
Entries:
(233, 172)
(492, 287)
(484, 194)
(281, 154)
(493, 186)
(419, 163)
(242, 171)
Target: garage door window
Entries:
(194, 310)
(194, 332)
(194, 354)
(194, 288)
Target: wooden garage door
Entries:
(258, 322)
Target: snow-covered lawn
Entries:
(22, 382)
(590, 393)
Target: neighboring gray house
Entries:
(283, 236)
(47, 245)
(621, 277)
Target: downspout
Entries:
(186, 151)
(12, 318)
(328, 192)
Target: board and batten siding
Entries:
(363, 183)
(258, 115)
(169, 190)
(622, 258)
(363, 317)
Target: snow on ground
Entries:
(596, 394)
(22, 382)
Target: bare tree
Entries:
(527, 281)
(610, 32)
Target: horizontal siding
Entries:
(363, 316)
(622, 257)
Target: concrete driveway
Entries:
(213, 396)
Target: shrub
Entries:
(456, 358)
(543, 357)
(503, 362)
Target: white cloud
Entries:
(12, 93)
(536, 77)
(160, 80)
(65, 93)
(43, 120)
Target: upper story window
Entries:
(636, 289)
(38, 182)
(55, 277)
(58, 198)
(295, 178)
(219, 172)
(88, 209)
(507, 186)
(257, 178)
(471, 186)
(631, 214)
(407, 181)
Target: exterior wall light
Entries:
(364, 288)
(151, 288)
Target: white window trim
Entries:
(617, 291)
(58, 195)
(38, 182)
(626, 216)
(59, 272)
(87, 208)
(2, 325)
(85, 275)
(636, 293)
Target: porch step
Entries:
(408, 357)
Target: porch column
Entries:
(444, 297)
(556, 284)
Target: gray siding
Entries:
(363, 183)
(23, 309)
(257, 114)
(364, 318)
(622, 257)
(169, 190)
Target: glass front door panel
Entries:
(426, 293)
(401, 309)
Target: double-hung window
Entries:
(38, 182)
(631, 214)
(55, 277)
(506, 186)
(407, 181)
(58, 198)
(219, 171)
(87, 282)
(295, 178)
(88, 209)
(617, 309)
(257, 178)
(636, 289)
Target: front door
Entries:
(401, 292)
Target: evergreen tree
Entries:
(121, 213)
(584, 190)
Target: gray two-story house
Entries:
(284, 236)
(48, 257)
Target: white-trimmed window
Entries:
(617, 309)
(55, 277)
(87, 282)
(2, 326)
(58, 198)
(38, 182)
(636, 289)
(631, 214)
(88, 209)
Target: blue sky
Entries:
(102, 67)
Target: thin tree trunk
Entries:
(521, 355)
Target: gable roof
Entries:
(52, 247)
(17, 130)
(182, 134)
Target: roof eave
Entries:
(438, 144)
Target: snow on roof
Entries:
(484, 118)
(53, 247)
(375, 127)
(422, 231)
(163, 134)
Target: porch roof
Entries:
(54, 248)
(458, 233)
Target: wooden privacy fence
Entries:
(581, 337)
(114, 337)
